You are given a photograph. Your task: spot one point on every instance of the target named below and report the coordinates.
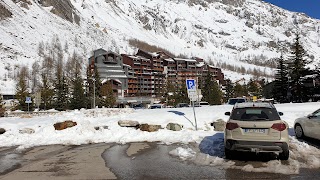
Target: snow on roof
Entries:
(200, 64)
(182, 59)
(310, 76)
(117, 80)
(154, 54)
(169, 60)
(133, 57)
(111, 70)
(117, 76)
(108, 79)
(138, 57)
(143, 58)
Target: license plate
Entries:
(262, 131)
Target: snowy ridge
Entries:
(210, 29)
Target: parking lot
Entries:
(147, 161)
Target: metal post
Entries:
(94, 93)
(195, 119)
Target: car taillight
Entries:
(231, 126)
(279, 126)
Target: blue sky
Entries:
(309, 7)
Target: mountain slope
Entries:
(220, 30)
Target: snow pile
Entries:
(302, 155)
(203, 147)
(183, 153)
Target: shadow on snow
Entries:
(213, 145)
(182, 114)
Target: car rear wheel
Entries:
(284, 155)
(228, 153)
(298, 131)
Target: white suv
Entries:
(256, 127)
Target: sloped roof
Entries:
(182, 59)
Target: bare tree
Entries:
(73, 66)
(47, 67)
(35, 76)
(41, 49)
(66, 47)
(22, 87)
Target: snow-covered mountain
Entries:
(221, 30)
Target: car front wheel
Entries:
(284, 155)
(298, 131)
(228, 153)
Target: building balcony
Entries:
(158, 69)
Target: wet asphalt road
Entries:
(129, 161)
(155, 163)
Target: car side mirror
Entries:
(280, 113)
(310, 116)
(227, 113)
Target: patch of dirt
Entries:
(63, 9)
(4, 12)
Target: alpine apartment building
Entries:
(146, 74)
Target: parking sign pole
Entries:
(28, 101)
(192, 94)
(195, 119)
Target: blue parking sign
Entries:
(191, 84)
(28, 100)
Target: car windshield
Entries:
(255, 114)
(316, 113)
(155, 107)
(236, 100)
(204, 103)
(183, 105)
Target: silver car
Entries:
(256, 127)
(308, 126)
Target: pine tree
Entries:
(239, 90)
(254, 88)
(73, 74)
(268, 90)
(22, 89)
(280, 88)
(89, 88)
(47, 93)
(78, 99)
(61, 94)
(169, 90)
(181, 94)
(108, 98)
(98, 85)
(93, 86)
(297, 69)
(61, 99)
(2, 109)
(211, 91)
(229, 90)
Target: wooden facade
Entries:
(151, 72)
